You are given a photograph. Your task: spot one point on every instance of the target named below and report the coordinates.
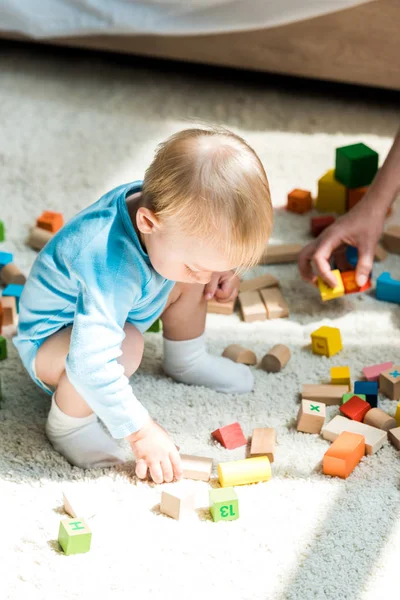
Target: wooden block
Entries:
(9, 305)
(177, 504)
(275, 303)
(394, 437)
(5, 258)
(299, 201)
(355, 409)
(387, 288)
(380, 253)
(397, 415)
(356, 165)
(332, 195)
(221, 308)
(252, 307)
(196, 467)
(318, 224)
(328, 293)
(391, 239)
(77, 503)
(239, 354)
(340, 376)
(2, 232)
(284, 253)
(354, 195)
(326, 341)
(276, 359)
(13, 290)
(74, 536)
(258, 283)
(230, 436)
(374, 438)
(370, 389)
(389, 382)
(346, 397)
(50, 221)
(224, 504)
(326, 393)
(1, 316)
(38, 238)
(263, 442)
(351, 286)
(311, 416)
(243, 472)
(379, 419)
(11, 274)
(372, 373)
(3, 348)
(344, 455)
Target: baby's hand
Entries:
(154, 450)
(223, 286)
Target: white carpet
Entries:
(71, 128)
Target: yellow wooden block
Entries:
(332, 195)
(328, 293)
(397, 415)
(326, 341)
(341, 376)
(242, 472)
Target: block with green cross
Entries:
(224, 504)
(311, 416)
(74, 536)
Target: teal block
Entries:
(14, 289)
(2, 232)
(5, 258)
(387, 289)
(156, 327)
(3, 348)
(74, 536)
(356, 165)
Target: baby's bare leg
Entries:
(185, 354)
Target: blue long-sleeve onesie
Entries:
(94, 275)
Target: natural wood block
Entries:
(326, 341)
(327, 393)
(328, 293)
(243, 472)
(351, 286)
(394, 437)
(311, 416)
(1, 316)
(318, 224)
(391, 239)
(11, 274)
(230, 436)
(389, 382)
(177, 504)
(344, 455)
(221, 308)
(332, 195)
(275, 303)
(284, 253)
(239, 354)
(9, 304)
(379, 419)
(74, 536)
(77, 503)
(276, 359)
(374, 438)
(263, 442)
(50, 221)
(373, 372)
(252, 307)
(340, 376)
(355, 409)
(258, 283)
(354, 195)
(299, 201)
(380, 253)
(38, 238)
(224, 504)
(196, 467)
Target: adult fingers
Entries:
(176, 463)
(167, 470)
(141, 469)
(305, 262)
(321, 260)
(364, 265)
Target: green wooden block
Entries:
(2, 232)
(347, 397)
(3, 348)
(156, 327)
(356, 165)
(224, 504)
(74, 536)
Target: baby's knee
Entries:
(132, 349)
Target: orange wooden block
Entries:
(51, 221)
(230, 436)
(354, 196)
(299, 201)
(344, 454)
(350, 284)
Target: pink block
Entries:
(372, 373)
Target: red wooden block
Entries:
(50, 220)
(350, 284)
(299, 201)
(230, 436)
(355, 408)
(372, 373)
(318, 224)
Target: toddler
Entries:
(158, 247)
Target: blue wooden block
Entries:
(352, 256)
(14, 289)
(5, 258)
(387, 289)
(369, 389)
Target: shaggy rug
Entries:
(75, 125)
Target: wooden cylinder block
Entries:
(38, 238)
(243, 472)
(276, 359)
(11, 274)
(239, 354)
(379, 419)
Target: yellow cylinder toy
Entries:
(242, 472)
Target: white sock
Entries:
(81, 440)
(189, 362)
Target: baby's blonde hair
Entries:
(215, 187)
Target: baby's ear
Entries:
(146, 220)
